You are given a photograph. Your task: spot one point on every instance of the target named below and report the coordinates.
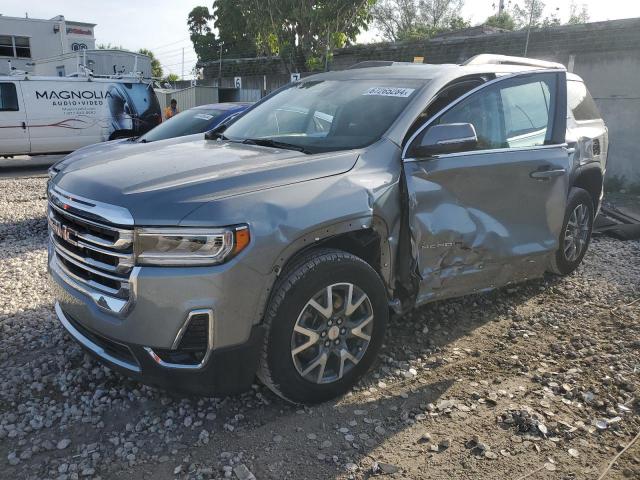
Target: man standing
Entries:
(171, 110)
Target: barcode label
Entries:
(390, 92)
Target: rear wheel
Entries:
(576, 233)
(325, 325)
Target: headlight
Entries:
(189, 246)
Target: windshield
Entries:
(196, 120)
(326, 115)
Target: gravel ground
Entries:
(538, 381)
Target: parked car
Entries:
(187, 125)
(61, 114)
(281, 247)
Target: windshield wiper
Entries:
(268, 142)
(215, 135)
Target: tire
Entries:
(308, 280)
(566, 259)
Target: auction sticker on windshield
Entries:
(390, 92)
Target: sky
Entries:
(161, 25)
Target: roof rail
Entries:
(377, 63)
(371, 63)
(487, 58)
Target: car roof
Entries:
(223, 106)
(419, 71)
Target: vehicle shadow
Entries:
(22, 236)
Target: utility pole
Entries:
(500, 7)
(526, 45)
(220, 70)
(182, 78)
(326, 53)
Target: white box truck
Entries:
(60, 114)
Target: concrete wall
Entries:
(614, 81)
(605, 54)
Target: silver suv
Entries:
(280, 244)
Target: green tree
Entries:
(501, 20)
(441, 14)
(171, 78)
(204, 40)
(296, 30)
(233, 31)
(577, 14)
(457, 23)
(528, 11)
(156, 68)
(408, 19)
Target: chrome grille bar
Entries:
(124, 237)
(91, 248)
(80, 263)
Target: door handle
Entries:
(24, 125)
(546, 174)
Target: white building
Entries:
(54, 47)
(23, 40)
(101, 62)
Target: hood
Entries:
(162, 182)
(113, 146)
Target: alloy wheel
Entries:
(576, 233)
(332, 333)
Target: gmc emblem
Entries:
(64, 232)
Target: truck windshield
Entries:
(196, 120)
(326, 115)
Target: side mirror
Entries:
(446, 138)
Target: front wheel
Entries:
(325, 324)
(576, 232)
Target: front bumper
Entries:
(227, 370)
(154, 321)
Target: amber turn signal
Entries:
(243, 237)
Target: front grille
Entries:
(92, 252)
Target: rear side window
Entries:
(581, 102)
(8, 98)
(526, 110)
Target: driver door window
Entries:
(509, 114)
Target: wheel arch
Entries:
(590, 178)
(366, 238)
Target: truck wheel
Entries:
(576, 233)
(325, 324)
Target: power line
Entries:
(195, 60)
(170, 44)
(168, 54)
(172, 55)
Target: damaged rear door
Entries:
(491, 212)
